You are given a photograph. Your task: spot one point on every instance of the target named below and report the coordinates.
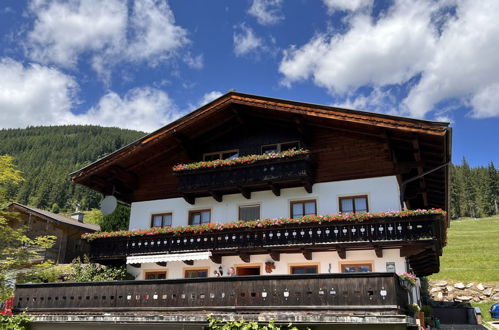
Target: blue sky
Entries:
(141, 64)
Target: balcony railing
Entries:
(308, 235)
(377, 292)
(269, 174)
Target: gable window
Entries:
(356, 268)
(249, 212)
(193, 273)
(304, 269)
(155, 275)
(302, 208)
(199, 217)
(161, 220)
(279, 147)
(227, 154)
(353, 204)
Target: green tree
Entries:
(17, 250)
(118, 220)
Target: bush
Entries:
(90, 272)
(15, 322)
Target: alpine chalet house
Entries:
(268, 209)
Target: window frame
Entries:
(303, 265)
(369, 263)
(279, 145)
(197, 269)
(155, 272)
(353, 197)
(219, 153)
(191, 212)
(249, 205)
(291, 203)
(162, 219)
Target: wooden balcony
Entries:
(412, 234)
(361, 292)
(272, 174)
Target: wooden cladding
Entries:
(356, 292)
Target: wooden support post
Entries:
(275, 255)
(189, 262)
(245, 257)
(307, 184)
(190, 199)
(379, 251)
(245, 192)
(307, 254)
(216, 196)
(216, 258)
(275, 189)
(342, 252)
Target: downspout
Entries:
(404, 183)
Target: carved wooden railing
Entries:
(379, 230)
(356, 291)
(280, 171)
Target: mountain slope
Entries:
(46, 155)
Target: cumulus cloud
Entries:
(245, 41)
(39, 95)
(438, 50)
(108, 32)
(350, 5)
(208, 97)
(266, 12)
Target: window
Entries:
(155, 275)
(304, 269)
(249, 212)
(302, 208)
(161, 220)
(356, 268)
(199, 217)
(354, 204)
(193, 273)
(279, 147)
(227, 154)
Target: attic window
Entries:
(280, 147)
(227, 154)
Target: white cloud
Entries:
(34, 95)
(266, 12)
(208, 97)
(351, 5)
(245, 41)
(39, 95)
(107, 31)
(144, 109)
(194, 62)
(421, 45)
(64, 30)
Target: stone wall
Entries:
(464, 292)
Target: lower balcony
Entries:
(289, 298)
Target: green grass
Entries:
(485, 308)
(472, 251)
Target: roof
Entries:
(55, 217)
(321, 111)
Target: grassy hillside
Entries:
(46, 155)
(472, 251)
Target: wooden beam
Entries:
(417, 158)
(161, 264)
(307, 254)
(216, 196)
(275, 189)
(342, 252)
(128, 178)
(302, 129)
(307, 184)
(245, 257)
(216, 258)
(136, 265)
(190, 199)
(275, 255)
(189, 262)
(379, 251)
(245, 192)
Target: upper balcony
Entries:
(293, 168)
(416, 233)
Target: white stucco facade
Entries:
(382, 193)
(327, 262)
